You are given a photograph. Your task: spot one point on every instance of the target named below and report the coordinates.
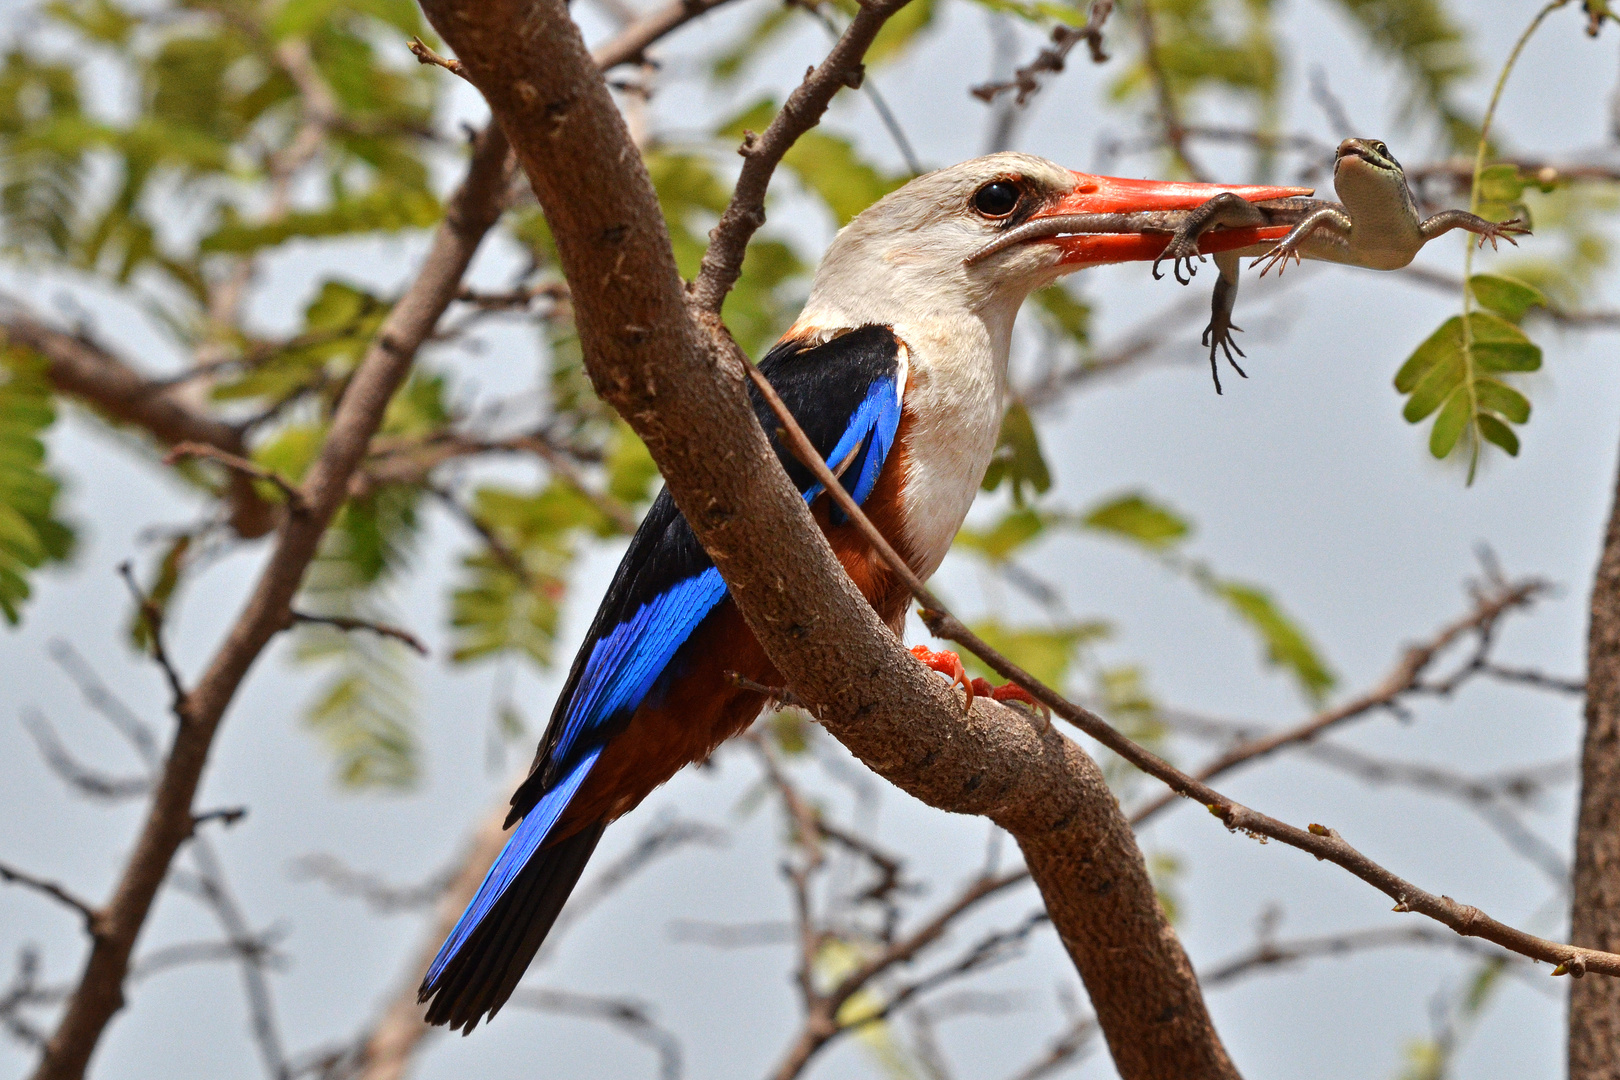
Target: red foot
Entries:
(1014, 692)
(948, 664)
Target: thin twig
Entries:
(236, 463)
(152, 616)
(1318, 840)
(343, 622)
(12, 876)
(1175, 131)
(425, 55)
(76, 774)
(1052, 58)
(745, 213)
(1406, 678)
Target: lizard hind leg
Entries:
(1218, 334)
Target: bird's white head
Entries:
(908, 260)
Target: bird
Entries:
(896, 369)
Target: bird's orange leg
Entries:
(948, 664)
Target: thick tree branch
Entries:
(99, 994)
(1318, 840)
(1594, 1004)
(680, 384)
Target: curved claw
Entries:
(948, 664)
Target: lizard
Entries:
(1376, 226)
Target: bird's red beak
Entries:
(1115, 195)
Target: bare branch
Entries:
(1052, 58)
(1170, 118)
(425, 55)
(82, 369)
(96, 694)
(630, 1017)
(12, 876)
(237, 463)
(378, 895)
(152, 616)
(74, 773)
(343, 622)
(722, 262)
(1318, 840)
(1407, 677)
(668, 368)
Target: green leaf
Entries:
(1017, 458)
(1443, 372)
(507, 600)
(1449, 425)
(160, 589)
(365, 711)
(1286, 644)
(1136, 518)
(1046, 654)
(31, 534)
(1505, 296)
(1001, 541)
(901, 32)
(1070, 315)
(387, 208)
(1501, 183)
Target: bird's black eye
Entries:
(996, 199)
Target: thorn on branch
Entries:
(152, 616)
(92, 918)
(425, 55)
(345, 623)
(187, 450)
(225, 815)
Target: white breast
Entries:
(954, 396)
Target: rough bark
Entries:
(679, 381)
(1594, 1004)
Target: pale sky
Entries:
(1303, 478)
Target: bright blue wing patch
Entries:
(624, 665)
(869, 437)
(520, 848)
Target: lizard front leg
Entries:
(1218, 334)
(1331, 219)
(1227, 208)
(1446, 220)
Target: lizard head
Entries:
(1370, 182)
(1366, 155)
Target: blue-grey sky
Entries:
(1303, 478)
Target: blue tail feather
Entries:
(520, 848)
